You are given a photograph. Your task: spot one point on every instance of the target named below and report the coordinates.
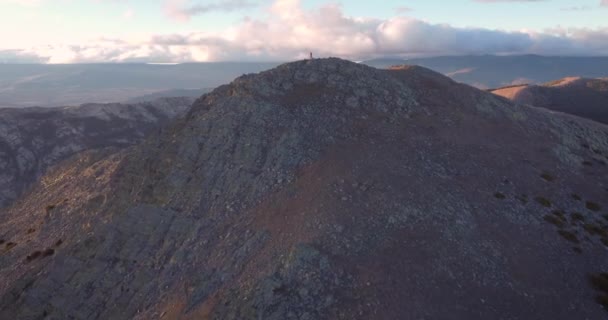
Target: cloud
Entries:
(288, 31)
(183, 10)
(604, 3)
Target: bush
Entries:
(568, 236)
(547, 176)
(499, 195)
(593, 206)
(600, 283)
(576, 197)
(556, 221)
(48, 252)
(543, 201)
(576, 216)
(49, 208)
(33, 256)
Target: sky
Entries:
(80, 31)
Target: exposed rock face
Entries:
(322, 189)
(587, 98)
(33, 139)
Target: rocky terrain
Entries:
(33, 139)
(323, 189)
(587, 98)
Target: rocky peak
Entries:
(322, 189)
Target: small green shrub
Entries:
(576, 217)
(603, 300)
(33, 256)
(50, 208)
(556, 221)
(31, 230)
(2, 241)
(593, 206)
(547, 176)
(58, 243)
(568, 236)
(523, 198)
(48, 252)
(499, 195)
(595, 230)
(543, 201)
(577, 250)
(9, 245)
(600, 281)
(588, 163)
(605, 241)
(576, 197)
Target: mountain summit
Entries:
(323, 189)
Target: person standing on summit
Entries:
(311, 55)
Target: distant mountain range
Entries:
(24, 85)
(587, 98)
(488, 71)
(319, 189)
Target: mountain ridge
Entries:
(322, 189)
(584, 97)
(33, 139)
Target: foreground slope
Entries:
(587, 98)
(33, 139)
(322, 189)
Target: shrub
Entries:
(588, 163)
(31, 230)
(547, 176)
(576, 197)
(543, 201)
(33, 256)
(603, 300)
(593, 206)
(2, 241)
(499, 195)
(576, 216)
(48, 252)
(523, 198)
(577, 250)
(595, 229)
(49, 208)
(58, 243)
(600, 281)
(554, 220)
(9, 245)
(568, 236)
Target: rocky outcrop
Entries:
(322, 189)
(587, 98)
(33, 139)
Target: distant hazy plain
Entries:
(25, 85)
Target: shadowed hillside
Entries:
(33, 139)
